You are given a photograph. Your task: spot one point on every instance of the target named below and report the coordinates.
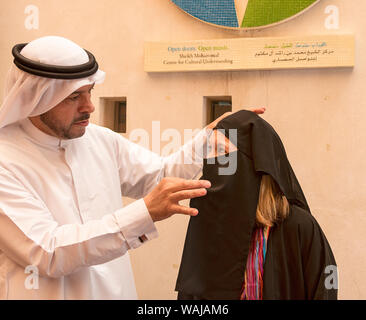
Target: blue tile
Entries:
(220, 12)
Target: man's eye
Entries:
(74, 98)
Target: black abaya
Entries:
(218, 239)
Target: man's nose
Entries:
(86, 105)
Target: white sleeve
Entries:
(30, 236)
(141, 169)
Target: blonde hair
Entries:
(273, 206)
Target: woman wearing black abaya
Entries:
(255, 237)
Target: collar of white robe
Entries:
(52, 71)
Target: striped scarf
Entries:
(253, 278)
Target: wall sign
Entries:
(322, 51)
(244, 14)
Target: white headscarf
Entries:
(28, 95)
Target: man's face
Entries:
(69, 119)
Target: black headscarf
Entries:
(218, 239)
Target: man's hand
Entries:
(162, 201)
(257, 110)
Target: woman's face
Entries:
(220, 145)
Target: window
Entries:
(114, 113)
(214, 107)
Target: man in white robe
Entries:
(64, 232)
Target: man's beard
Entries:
(61, 130)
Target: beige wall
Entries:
(319, 114)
